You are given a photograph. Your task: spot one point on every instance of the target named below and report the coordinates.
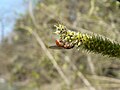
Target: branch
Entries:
(39, 40)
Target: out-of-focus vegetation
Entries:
(26, 64)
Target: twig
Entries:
(83, 78)
(92, 3)
(39, 40)
(102, 78)
(90, 63)
(92, 69)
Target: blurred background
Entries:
(27, 27)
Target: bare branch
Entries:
(39, 40)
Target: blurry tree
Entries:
(30, 65)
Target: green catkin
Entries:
(91, 43)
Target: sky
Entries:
(10, 10)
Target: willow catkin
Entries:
(91, 43)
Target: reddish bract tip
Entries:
(65, 45)
(59, 43)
